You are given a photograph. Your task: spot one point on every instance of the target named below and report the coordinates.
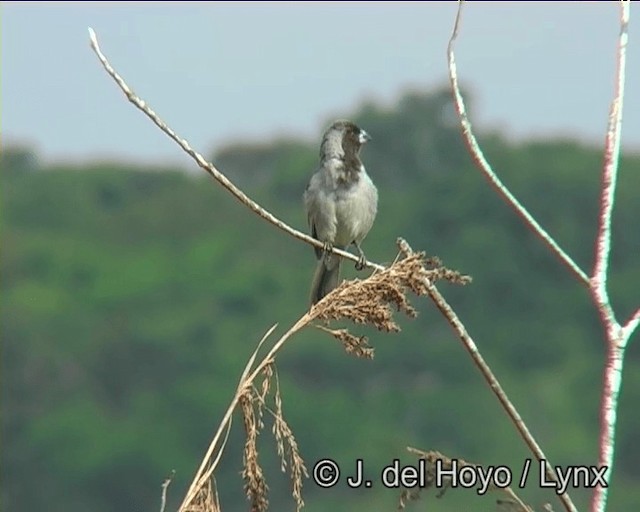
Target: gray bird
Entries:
(341, 202)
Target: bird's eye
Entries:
(363, 137)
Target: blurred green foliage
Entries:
(132, 298)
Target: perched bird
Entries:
(341, 202)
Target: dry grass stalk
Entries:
(206, 500)
(255, 484)
(288, 450)
(253, 403)
(374, 300)
(355, 345)
(512, 504)
(407, 496)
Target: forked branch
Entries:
(616, 336)
(208, 167)
(485, 167)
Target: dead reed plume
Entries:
(372, 301)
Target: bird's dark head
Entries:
(343, 138)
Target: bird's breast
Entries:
(356, 208)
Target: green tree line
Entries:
(132, 297)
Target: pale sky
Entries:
(218, 72)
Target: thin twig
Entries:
(492, 381)
(631, 325)
(207, 465)
(206, 470)
(432, 456)
(495, 386)
(610, 171)
(616, 337)
(208, 167)
(165, 486)
(487, 171)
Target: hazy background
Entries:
(131, 298)
(222, 71)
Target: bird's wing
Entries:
(312, 208)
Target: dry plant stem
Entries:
(609, 178)
(616, 337)
(206, 470)
(495, 386)
(486, 169)
(507, 490)
(208, 167)
(165, 486)
(523, 506)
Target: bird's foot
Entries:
(328, 247)
(360, 264)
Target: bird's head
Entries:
(343, 138)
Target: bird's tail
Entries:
(326, 277)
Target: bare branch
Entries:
(207, 466)
(492, 381)
(610, 175)
(608, 420)
(165, 486)
(432, 457)
(631, 325)
(485, 167)
(617, 337)
(208, 167)
(225, 424)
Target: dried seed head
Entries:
(374, 300)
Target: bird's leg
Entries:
(361, 258)
(327, 248)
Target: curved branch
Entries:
(461, 331)
(503, 191)
(207, 466)
(610, 175)
(487, 171)
(207, 166)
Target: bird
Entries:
(341, 203)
